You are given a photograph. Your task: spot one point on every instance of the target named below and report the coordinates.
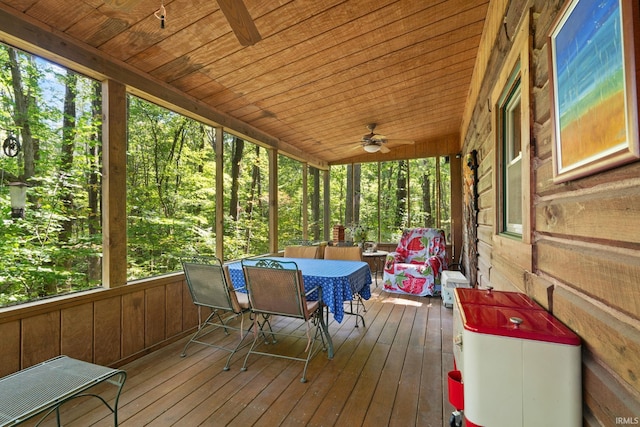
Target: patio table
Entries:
(339, 280)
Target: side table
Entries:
(44, 387)
(376, 257)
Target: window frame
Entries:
(516, 68)
(510, 102)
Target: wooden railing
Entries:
(107, 327)
(104, 326)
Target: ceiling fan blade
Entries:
(125, 5)
(400, 142)
(384, 149)
(240, 21)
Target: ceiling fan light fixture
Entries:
(371, 148)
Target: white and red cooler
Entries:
(516, 364)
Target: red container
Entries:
(456, 390)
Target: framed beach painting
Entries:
(594, 103)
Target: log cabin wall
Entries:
(105, 326)
(581, 257)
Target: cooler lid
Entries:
(495, 298)
(536, 325)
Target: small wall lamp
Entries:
(18, 195)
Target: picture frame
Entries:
(593, 82)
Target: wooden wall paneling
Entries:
(155, 318)
(189, 309)
(485, 234)
(542, 132)
(486, 204)
(519, 254)
(506, 274)
(133, 323)
(544, 17)
(90, 326)
(610, 214)
(609, 276)
(40, 338)
(544, 178)
(484, 271)
(484, 262)
(173, 308)
(485, 184)
(76, 336)
(605, 397)
(612, 341)
(539, 289)
(491, 31)
(107, 330)
(10, 354)
(621, 176)
(486, 216)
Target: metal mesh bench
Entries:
(43, 388)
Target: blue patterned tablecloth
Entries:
(339, 280)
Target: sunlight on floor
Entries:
(401, 301)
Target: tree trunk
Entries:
(357, 191)
(401, 194)
(426, 199)
(315, 204)
(93, 189)
(66, 158)
(238, 147)
(254, 194)
(349, 205)
(21, 117)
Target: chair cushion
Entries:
(312, 306)
(243, 300)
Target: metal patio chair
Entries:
(276, 288)
(210, 287)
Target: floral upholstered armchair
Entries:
(415, 267)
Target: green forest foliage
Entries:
(171, 195)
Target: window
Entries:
(290, 206)
(55, 247)
(386, 197)
(510, 112)
(170, 189)
(246, 198)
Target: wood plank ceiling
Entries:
(322, 71)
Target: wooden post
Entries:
(219, 220)
(114, 184)
(305, 201)
(273, 200)
(327, 208)
(456, 206)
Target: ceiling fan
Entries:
(373, 142)
(235, 11)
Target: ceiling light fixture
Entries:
(371, 148)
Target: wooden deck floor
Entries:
(391, 372)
